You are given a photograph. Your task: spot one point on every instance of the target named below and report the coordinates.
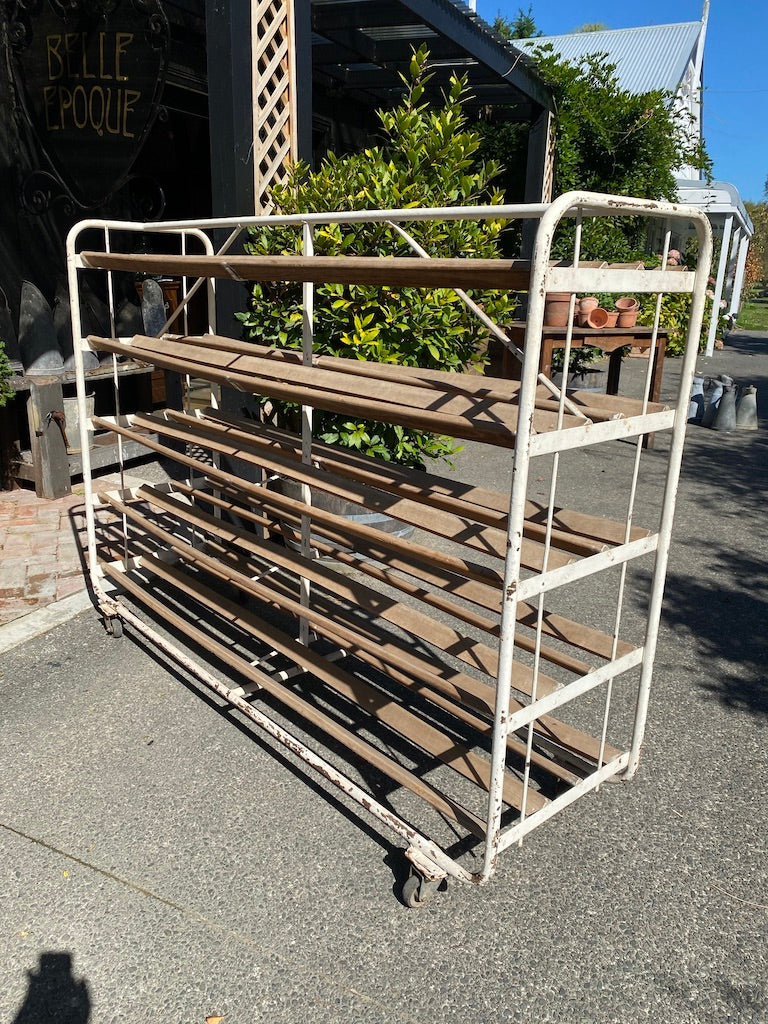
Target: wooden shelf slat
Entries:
(372, 755)
(220, 478)
(422, 487)
(460, 577)
(551, 728)
(373, 657)
(374, 702)
(468, 418)
(392, 395)
(417, 624)
(488, 541)
(499, 389)
(433, 599)
(385, 549)
(394, 271)
(480, 503)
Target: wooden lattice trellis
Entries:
(274, 95)
(548, 177)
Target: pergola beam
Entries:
(450, 33)
(515, 68)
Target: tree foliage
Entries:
(606, 140)
(428, 157)
(522, 26)
(610, 140)
(757, 262)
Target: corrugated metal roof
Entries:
(646, 58)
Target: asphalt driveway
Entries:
(161, 862)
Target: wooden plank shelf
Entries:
(424, 674)
(449, 640)
(451, 411)
(426, 620)
(377, 270)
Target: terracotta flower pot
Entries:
(627, 318)
(588, 303)
(626, 303)
(597, 317)
(613, 317)
(557, 307)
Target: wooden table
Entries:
(611, 340)
(36, 450)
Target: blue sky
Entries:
(735, 69)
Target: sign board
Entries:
(90, 74)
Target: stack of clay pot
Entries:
(627, 308)
(592, 314)
(589, 312)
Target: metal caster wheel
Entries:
(417, 890)
(424, 879)
(114, 625)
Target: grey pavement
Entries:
(161, 862)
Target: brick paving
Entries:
(41, 544)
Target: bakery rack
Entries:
(476, 671)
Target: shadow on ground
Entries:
(726, 620)
(54, 995)
(728, 469)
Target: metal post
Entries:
(721, 267)
(670, 494)
(738, 280)
(308, 339)
(520, 466)
(733, 255)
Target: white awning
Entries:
(730, 221)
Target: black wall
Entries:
(169, 176)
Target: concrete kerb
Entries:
(41, 620)
(20, 630)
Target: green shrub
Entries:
(675, 313)
(606, 140)
(6, 372)
(427, 157)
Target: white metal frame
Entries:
(518, 586)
